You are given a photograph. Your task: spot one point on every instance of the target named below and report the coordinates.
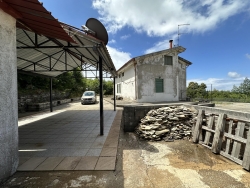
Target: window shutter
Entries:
(159, 85)
(168, 60)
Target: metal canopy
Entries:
(50, 48)
(52, 57)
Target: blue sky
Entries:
(217, 41)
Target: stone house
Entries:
(154, 77)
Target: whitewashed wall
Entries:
(151, 67)
(127, 83)
(182, 81)
(8, 97)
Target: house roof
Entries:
(179, 49)
(32, 16)
(48, 47)
(184, 60)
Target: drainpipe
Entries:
(177, 85)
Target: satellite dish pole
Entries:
(179, 31)
(96, 29)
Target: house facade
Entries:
(154, 77)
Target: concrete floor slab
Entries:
(23, 160)
(94, 152)
(106, 163)
(56, 141)
(68, 163)
(108, 152)
(31, 164)
(87, 163)
(49, 164)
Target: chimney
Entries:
(170, 43)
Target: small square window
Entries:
(168, 60)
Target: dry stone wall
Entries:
(167, 123)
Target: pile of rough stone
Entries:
(167, 123)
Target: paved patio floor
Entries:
(69, 139)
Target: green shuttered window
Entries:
(168, 60)
(159, 85)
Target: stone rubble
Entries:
(167, 123)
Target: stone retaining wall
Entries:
(132, 114)
(46, 105)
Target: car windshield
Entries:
(88, 94)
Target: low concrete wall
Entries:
(244, 116)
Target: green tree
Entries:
(243, 88)
(72, 82)
(108, 87)
(32, 82)
(194, 90)
(93, 85)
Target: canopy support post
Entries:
(114, 95)
(101, 94)
(50, 95)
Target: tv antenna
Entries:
(179, 31)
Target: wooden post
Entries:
(218, 136)
(229, 139)
(237, 145)
(246, 158)
(198, 125)
(208, 134)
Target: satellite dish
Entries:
(100, 31)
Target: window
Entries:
(168, 60)
(159, 85)
(118, 88)
(123, 74)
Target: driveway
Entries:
(178, 164)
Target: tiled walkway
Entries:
(69, 139)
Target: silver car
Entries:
(88, 97)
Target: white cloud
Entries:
(248, 56)
(233, 74)
(161, 17)
(219, 83)
(112, 41)
(162, 45)
(124, 37)
(119, 58)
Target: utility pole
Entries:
(211, 93)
